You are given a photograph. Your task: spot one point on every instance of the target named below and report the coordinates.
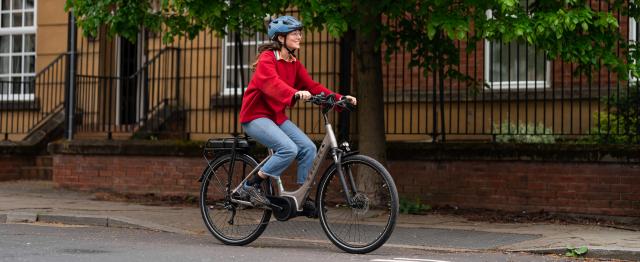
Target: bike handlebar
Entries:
(328, 101)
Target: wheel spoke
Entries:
(248, 223)
(367, 224)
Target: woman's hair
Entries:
(273, 46)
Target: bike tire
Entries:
(216, 210)
(381, 199)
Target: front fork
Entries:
(348, 193)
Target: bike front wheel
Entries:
(367, 222)
(229, 222)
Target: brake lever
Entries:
(310, 100)
(344, 103)
(317, 99)
(350, 107)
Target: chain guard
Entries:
(287, 208)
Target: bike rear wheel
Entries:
(368, 222)
(248, 223)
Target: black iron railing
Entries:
(24, 105)
(192, 89)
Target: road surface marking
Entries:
(400, 259)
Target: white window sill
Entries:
(9, 98)
(519, 85)
(230, 92)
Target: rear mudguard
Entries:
(215, 161)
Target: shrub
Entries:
(524, 133)
(413, 207)
(621, 123)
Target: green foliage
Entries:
(576, 252)
(620, 124)
(121, 16)
(176, 17)
(413, 207)
(523, 133)
(570, 30)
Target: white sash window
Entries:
(516, 64)
(17, 49)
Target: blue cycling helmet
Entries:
(283, 25)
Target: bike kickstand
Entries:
(233, 215)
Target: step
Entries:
(36, 173)
(44, 161)
(102, 135)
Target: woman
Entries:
(277, 79)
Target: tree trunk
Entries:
(368, 78)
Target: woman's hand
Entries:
(303, 95)
(352, 100)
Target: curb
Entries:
(630, 255)
(126, 222)
(20, 217)
(74, 220)
(88, 220)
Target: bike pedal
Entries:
(237, 196)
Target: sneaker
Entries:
(256, 196)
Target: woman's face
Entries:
(293, 39)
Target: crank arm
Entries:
(247, 203)
(272, 207)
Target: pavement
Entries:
(42, 202)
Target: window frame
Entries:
(22, 31)
(512, 84)
(633, 37)
(256, 40)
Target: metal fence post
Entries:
(239, 77)
(70, 81)
(179, 110)
(345, 82)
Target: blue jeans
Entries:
(287, 141)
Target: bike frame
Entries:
(329, 146)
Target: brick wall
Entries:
(161, 175)
(599, 189)
(554, 178)
(11, 165)
(602, 189)
(397, 75)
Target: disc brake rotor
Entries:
(360, 204)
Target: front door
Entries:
(128, 53)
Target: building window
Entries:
(516, 64)
(230, 77)
(17, 49)
(634, 31)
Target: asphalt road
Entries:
(47, 242)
